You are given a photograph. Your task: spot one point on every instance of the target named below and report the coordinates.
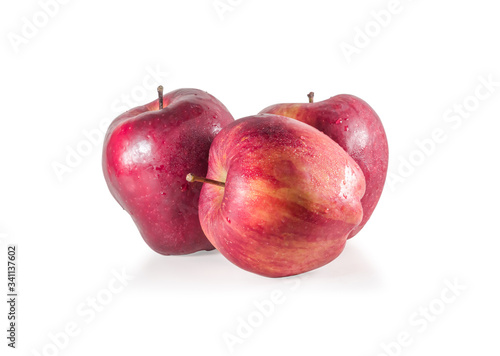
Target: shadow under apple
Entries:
(210, 272)
(352, 270)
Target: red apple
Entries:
(147, 153)
(355, 126)
(281, 196)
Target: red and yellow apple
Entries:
(281, 197)
(355, 126)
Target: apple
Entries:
(147, 153)
(355, 126)
(280, 197)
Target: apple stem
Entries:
(160, 96)
(311, 97)
(192, 178)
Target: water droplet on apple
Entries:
(228, 220)
(346, 128)
(184, 187)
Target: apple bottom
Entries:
(168, 222)
(274, 246)
(276, 256)
(193, 239)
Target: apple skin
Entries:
(291, 196)
(356, 127)
(147, 154)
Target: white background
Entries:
(435, 223)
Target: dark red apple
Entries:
(281, 197)
(147, 153)
(355, 126)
